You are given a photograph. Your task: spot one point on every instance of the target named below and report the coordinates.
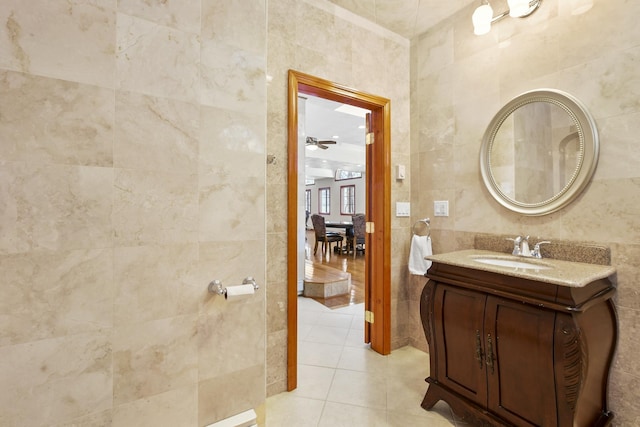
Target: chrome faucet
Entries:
(536, 249)
(521, 247)
(524, 247)
(516, 245)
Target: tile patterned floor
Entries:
(341, 382)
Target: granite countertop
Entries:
(558, 272)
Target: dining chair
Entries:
(320, 229)
(359, 229)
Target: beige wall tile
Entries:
(54, 121)
(56, 379)
(155, 133)
(155, 282)
(157, 60)
(232, 143)
(227, 395)
(152, 207)
(623, 398)
(231, 78)
(614, 161)
(56, 38)
(628, 341)
(241, 350)
(154, 357)
(70, 292)
(624, 256)
(179, 14)
(172, 408)
(98, 419)
(238, 203)
(54, 207)
(276, 361)
(235, 23)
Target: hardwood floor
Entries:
(341, 262)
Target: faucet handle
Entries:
(516, 244)
(536, 249)
(524, 247)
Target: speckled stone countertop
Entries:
(558, 272)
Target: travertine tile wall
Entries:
(459, 81)
(132, 172)
(318, 38)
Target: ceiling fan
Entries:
(314, 143)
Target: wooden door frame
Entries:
(378, 253)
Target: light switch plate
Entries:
(441, 208)
(403, 209)
(401, 172)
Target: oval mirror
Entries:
(539, 152)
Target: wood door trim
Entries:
(381, 239)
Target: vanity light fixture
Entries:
(483, 16)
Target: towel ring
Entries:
(424, 221)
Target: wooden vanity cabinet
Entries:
(510, 351)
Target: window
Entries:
(347, 200)
(307, 200)
(342, 174)
(324, 201)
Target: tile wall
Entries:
(459, 81)
(132, 172)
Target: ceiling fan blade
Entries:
(324, 147)
(326, 142)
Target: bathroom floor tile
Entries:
(362, 359)
(359, 388)
(335, 320)
(286, 409)
(341, 415)
(303, 330)
(318, 354)
(314, 382)
(327, 335)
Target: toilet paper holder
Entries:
(215, 287)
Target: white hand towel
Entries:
(420, 248)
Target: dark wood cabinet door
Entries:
(459, 315)
(519, 340)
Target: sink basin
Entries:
(519, 263)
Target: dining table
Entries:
(348, 231)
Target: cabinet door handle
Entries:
(479, 355)
(490, 355)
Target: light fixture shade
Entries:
(482, 19)
(518, 8)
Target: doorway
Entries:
(378, 211)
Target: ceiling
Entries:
(405, 17)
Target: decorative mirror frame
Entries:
(587, 158)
